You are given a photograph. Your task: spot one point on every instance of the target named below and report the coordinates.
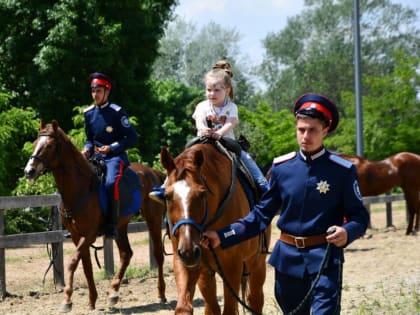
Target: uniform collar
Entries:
(309, 157)
(103, 105)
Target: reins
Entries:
(231, 290)
(201, 227)
(314, 283)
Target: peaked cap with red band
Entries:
(98, 79)
(317, 106)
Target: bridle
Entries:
(201, 227)
(47, 166)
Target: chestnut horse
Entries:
(378, 177)
(202, 192)
(81, 212)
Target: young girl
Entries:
(217, 116)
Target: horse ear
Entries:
(55, 124)
(166, 160)
(41, 124)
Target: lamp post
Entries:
(357, 80)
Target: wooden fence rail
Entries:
(55, 236)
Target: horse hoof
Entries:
(113, 299)
(65, 308)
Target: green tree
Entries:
(187, 53)
(175, 118)
(270, 133)
(314, 52)
(391, 111)
(19, 124)
(48, 49)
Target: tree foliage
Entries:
(18, 124)
(391, 111)
(187, 53)
(48, 48)
(314, 52)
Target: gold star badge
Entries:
(323, 187)
(109, 129)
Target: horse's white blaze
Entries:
(39, 145)
(181, 189)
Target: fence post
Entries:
(3, 291)
(368, 209)
(109, 256)
(57, 249)
(389, 212)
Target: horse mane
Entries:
(68, 145)
(187, 161)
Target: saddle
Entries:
(232, 150)
(129, 188)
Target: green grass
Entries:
(405, 300)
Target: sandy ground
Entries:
(381, 276)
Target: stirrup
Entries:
(158, 194)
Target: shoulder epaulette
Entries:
(115, 107)
(89, 108)
(284, 157)
(340, 161)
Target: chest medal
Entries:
(323, 187)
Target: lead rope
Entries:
(314, 283)
(222, 275)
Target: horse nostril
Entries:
(30, 173)
(197, 252)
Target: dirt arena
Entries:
(381, 276)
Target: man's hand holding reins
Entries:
(210, 239)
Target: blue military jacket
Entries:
(109, 125)
(310, 197)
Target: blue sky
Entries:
(253, 19)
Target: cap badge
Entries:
(323, 187)
(109, 129)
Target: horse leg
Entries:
(233, 274)
(412, 201)
(417, 215)
(125, 253)
(256, 279)
(87, 269)
(207, 285)
(81, 252)
(186, 280)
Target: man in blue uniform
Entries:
(314, 191)
(108, 133)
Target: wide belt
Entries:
(303, 241)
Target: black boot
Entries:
(112, 220)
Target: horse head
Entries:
(46, 146)
(186, 201)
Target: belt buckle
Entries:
(300, 242)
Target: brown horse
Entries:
(203, 192)
(378, 177)
(81, 212)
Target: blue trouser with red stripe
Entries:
(114, 171)
(115, 168)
